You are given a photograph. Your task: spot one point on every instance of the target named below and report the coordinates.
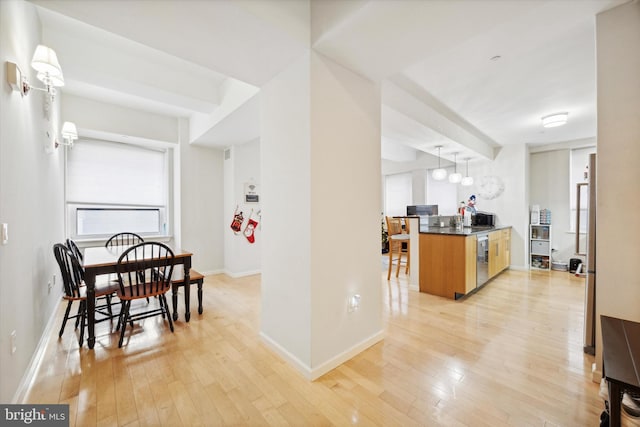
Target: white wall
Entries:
(285, 126)
(618, 174)
(345, 131)
(550, 180)
(241, 257)
(201, 212)
(318, 120)
(511, 165)
(31, 201)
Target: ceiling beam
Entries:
(406, 97)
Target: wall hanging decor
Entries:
(251, 192)
(238, 219)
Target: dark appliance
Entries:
(573, 264)
(483, 219)
(482, 264)
(422, 210)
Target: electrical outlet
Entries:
(13, 337)
(353, 303)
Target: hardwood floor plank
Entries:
(508, 355)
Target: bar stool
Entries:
(396, 239)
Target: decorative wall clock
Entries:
(490, 187)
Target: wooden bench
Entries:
(178, 280)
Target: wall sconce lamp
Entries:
(45, 62)
(69, 134)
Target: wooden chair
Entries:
(78, 253)
(124, 239)
(75, 290)
(396, 239)
(144, 271)
(75, 249)
(194, 278)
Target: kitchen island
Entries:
(450, 264)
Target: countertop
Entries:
(466, 231)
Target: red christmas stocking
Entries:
(250, 229)
(236, 224)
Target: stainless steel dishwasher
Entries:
(482, 263)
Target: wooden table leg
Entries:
(90, 281)
(200, 297)
(174, 300)
(615, 396)
(187, 292)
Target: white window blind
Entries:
(398, 194)
(113, 173)
(113, 187)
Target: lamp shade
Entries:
(455, 178)
(555, 119)
(439, 174)
(69, 130)
(45, 61)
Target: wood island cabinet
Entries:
(447, 264)
(499, 251)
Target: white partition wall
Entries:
(618, 246)
(318, 121)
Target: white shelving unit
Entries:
(540, 247)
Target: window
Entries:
(578, 167)
(113, 187)
(397, 194)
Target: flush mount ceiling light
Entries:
(439, 174)
(467, 180)
(554, 120)
(455, 177)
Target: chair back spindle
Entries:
(124, 239)
(138, 276)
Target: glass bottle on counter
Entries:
(458, 222)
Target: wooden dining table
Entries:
(102, 260)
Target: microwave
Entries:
(483, 219)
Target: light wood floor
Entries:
(509, 355)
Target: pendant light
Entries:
(439, 174)
(455, 177)
(467, 180)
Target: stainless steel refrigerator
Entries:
(588, 189)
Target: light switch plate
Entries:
(5, 233)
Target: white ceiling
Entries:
(433, 59)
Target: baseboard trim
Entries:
(346, 355)
(212, 272)
(36, 359)
(242, 273)
(315, 373)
